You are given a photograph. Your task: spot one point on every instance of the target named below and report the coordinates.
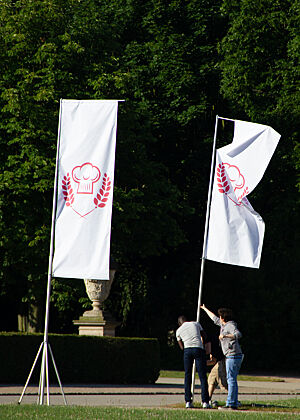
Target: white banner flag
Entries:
(236, 231)
(85, 188)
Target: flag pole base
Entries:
(44, 347)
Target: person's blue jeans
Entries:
(233, 365)
(189, 355)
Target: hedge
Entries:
(81, 359)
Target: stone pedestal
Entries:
(97, 322)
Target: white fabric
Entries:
(85, 188)
(189, 333)
(236, 231)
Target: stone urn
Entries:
(98, 291)
(97, 321)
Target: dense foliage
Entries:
(177, 64)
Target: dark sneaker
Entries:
(228, 407)
(189, 405)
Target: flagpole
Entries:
(44, 366)
(44, 373)
(209, 195)
(226, 119)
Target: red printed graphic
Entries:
(82, 200)
(230, 175)
(236, 178)
(222, 180)
(85, 175)
(67, 190)
(103, 194)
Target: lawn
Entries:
(180, 374)
(285, 409)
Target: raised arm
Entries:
(209, 313)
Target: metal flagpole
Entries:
(226, 119)
(44, 366)
(212, 168)
(44, 373)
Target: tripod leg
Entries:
(47, 376)
(42, 376)
(58, 378)
(30, 373)
(40, 385)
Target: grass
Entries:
(286, 406)
(180, 374)
(284, 409)
(259, 378)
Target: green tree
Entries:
(54, 49)
(162, 58)
(260, 79)
(173, 74)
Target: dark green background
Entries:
(177, 64)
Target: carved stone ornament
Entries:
(98, 290)
(97, 322)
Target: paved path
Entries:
(165, 392)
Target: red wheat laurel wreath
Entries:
(221, 178)
(67, 190)
(103, 193)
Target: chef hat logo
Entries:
(85, 176)
(235, 176)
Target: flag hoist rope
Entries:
(212, 168)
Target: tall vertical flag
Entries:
(236, 231)
(87, 141)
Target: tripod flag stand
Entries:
(45, 346)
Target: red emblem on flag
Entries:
(231, 176)
(80, 200)
(103, 194)
(86, 175)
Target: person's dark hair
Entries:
(181, 319)
(226, 314)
